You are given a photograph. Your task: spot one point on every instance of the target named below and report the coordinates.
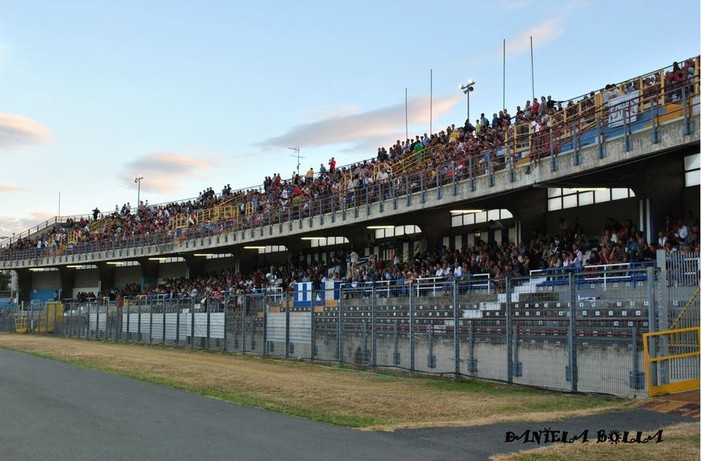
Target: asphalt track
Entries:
(56, 411)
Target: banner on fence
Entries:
(305, 296)
(626, 104)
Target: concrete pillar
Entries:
(149, 273)
(68, 280)
(297, 249)
(663, 185)
(24, 286)
(530, 211)
(197, 266)
(360, 238)
(434, 226)
(106, 277)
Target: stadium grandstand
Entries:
(565, 229)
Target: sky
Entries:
(190, 95)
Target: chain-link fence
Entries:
(570, 331)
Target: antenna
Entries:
(297, 155)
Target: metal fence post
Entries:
(627, 127)
(572, 371)
(516, 365)
(163, 337)
(224, 322)
(472, 362)
(374, 341)
(471, 168)
(686, 113)
(138, 326)
(100, 333)
(192, 325)
(600, 139)
(396, 343)
(151, 323)
(92, 334)
(108, 321)
(340, 329)
(243, 321)
(287, 327)
(177, 337)
(364, 341)
(208, 332)
(129, 312)
(652, 306)
(313, 345)
(411, 327)
(508, 337)
(422, 195)
(636, 379)
(456, 336)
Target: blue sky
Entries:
(197, 94)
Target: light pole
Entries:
(467, 88)
(137, 180)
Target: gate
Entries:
(672, 360)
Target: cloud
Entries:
(17, 131)
(10, 225)
(540, 34)
(163, 172)
(362, 128)
(11, 188)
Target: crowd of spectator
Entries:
(455, 151)
(568, 247)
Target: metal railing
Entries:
(672, 360)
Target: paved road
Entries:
(53, 410)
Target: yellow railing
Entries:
(409, 163)
(678, 352)
(42, 321)
(692, 307)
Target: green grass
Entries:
(232, 397)
(531, 399)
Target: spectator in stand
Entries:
(535, 107)
(309, 176)
(495, 121)
(593, 259)
(578, 258)
(484, 121)
(692, 239)
(606, 257)
(550, 103)
(682, 231)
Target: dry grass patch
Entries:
(679, 443)
(323, 393)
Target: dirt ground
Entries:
(326, 393)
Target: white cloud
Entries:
(10, 225)
(17, 131)
(362, 128)
(163, 172)
(540, 34)
(4, 187)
